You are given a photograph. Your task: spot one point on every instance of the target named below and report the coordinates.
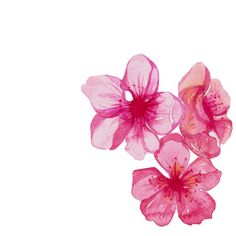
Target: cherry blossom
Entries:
(184, 190)
(206, 124)
(139, 120)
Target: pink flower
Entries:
(205, 125)
(140, 120)
(184, 189)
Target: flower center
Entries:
(176, 184)
(138, 107)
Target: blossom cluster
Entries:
(146, 122)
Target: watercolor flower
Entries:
(205, 125)
(138, 120)
(185, 189)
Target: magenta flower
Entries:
(184, 189)
(140, 120)
(205, 125)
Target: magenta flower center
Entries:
(176, 184)
(138, 107)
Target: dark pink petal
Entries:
(198, 76)
(217, 100)
(121, 133)
(201, 174)
(141, 140)
(159, 208)
(197, 105)
(166, 114)
(223, 129)
(173, 155)
(105, 94)
(196, 207)
(147, 182)
(141, 76)
(105, 132)
(203, 144)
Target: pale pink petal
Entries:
(201, 174)
(150, 140)
(135, 145)
(178, 112)
(205, 125)
(202, 144)
(223, 129)
(197, 128)
(141, 76)
(105, 94)
(191, 124)
(196, 134)
(166, 114)
(196, 207)
(196, 120)
(147, 182)
(173, 155)
(198, 76)
(104, 131)
(191, 91)
(159, 208)
(141, 140)
(217, 100)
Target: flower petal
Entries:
(168, 113)
(191, 91)
(197, 128)
(150, 140)
(105, 94)
(106, 132)
(207, 103)
(121, 133)
(135, 145)
(198, 76)
(196, 208)
(201, 174)
(141, 76)
(141, 140)
(217, 100)
(202, 144)
(195, 121)
(173, 155)
(223, 129)
(159, 208)
(147, 182)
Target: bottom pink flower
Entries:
(185, 189)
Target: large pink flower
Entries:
(184, 189)
(205, 125)
(140, 120)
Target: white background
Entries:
(52, 181)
